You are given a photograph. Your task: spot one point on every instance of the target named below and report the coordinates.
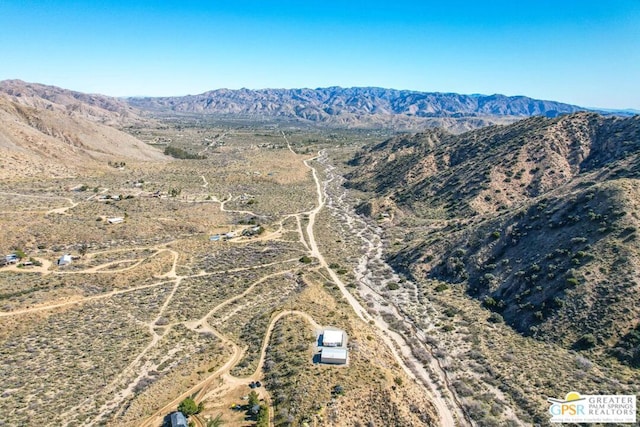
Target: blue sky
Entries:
(582, 52)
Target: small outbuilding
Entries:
(65, 259)
(335, 356)
(178, 420)
(115, 220)
(332, 338)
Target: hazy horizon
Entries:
(578, 53)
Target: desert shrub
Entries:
(189, 407)
(450, 312)
(179, 153)
(489, 302)
(627, 350)
(263, 417)
(572, 282)
(583, 363)
(20, 253)
(338, 391)
(441, 287)
(393, 286)
(585, 342)
(495, 318)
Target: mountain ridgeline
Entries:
(364, 107)
(538, 219)
(58, 132)
(97, 108)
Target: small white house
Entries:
(64, 260)
(332, 338)
(335, 356)
(115, 220)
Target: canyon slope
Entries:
(538, 220)
(45, 129)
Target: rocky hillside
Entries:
(537, 219)
(97, 108)
(360, 106)
(49, 130)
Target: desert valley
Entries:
(476, 255)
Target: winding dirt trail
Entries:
(372, 287)
(80, 300)
(157, 417)
(399, 347)
(62, 210)
(50, 211)
(267, 337)
(201, 390)
(234, 381)
(229, 199)
(450, 414)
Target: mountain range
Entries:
(49, 129)
(360, 107)
(357, 107)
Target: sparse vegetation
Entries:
(180, 153)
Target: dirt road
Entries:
(224, 371)
(399, 347)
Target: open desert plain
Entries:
(189, 277)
